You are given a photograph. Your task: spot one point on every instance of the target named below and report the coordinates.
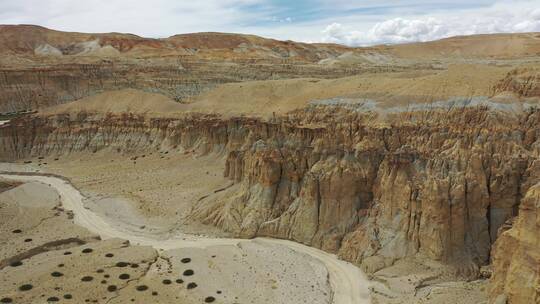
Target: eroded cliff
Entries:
(437, 184)
(428, 152)
(516, 258)
(40, 67)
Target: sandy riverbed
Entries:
(277, 271)
(106, 178)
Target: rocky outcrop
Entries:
(126, 133)
(373, 195)
(437, 184)
(373, 168)
(516, 255)
(524, 82)
(35, 87)
(41, 67)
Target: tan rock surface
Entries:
(424, 188)
(516, 255)
(437, 185)
(406, 160)
(42, 67)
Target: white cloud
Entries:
(499, 18)
(156, 18)
(397, 30)
(359, 22)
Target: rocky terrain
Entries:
(418, 163)
(64, 262)
(41, 67)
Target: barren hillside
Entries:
(417, 163)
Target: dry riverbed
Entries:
(147, 194)
(154, 268)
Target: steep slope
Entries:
(516, 255)
(26, 39)
(121, 101)
(524, 82)
(40, 67)
(438, 183)
(421, 151)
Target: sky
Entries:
(355, 23)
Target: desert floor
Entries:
(143, 199)
(64, 261)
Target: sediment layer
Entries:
(435, 183)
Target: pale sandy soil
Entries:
(251, 272)
(262, 98)
(242, 271)
(415, 280)
(407, 281)
(81, 276)
(121, 101)
(30, 217)
(163, 186)
(222, 268)
(266, 98)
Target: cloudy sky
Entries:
(352, 22)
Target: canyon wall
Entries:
(40, 67)
(437, 184)
(516, 255)
(35, 87)
(400, 177)
(439, 187)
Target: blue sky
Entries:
(363, 22)
(306, 11)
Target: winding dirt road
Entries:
(348, 283)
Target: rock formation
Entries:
(69, 66)
(516, 258)
(524, 82)
(40, 67)
(440, 187)
(432, 162)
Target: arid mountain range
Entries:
(42, 67)
(418, 163)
